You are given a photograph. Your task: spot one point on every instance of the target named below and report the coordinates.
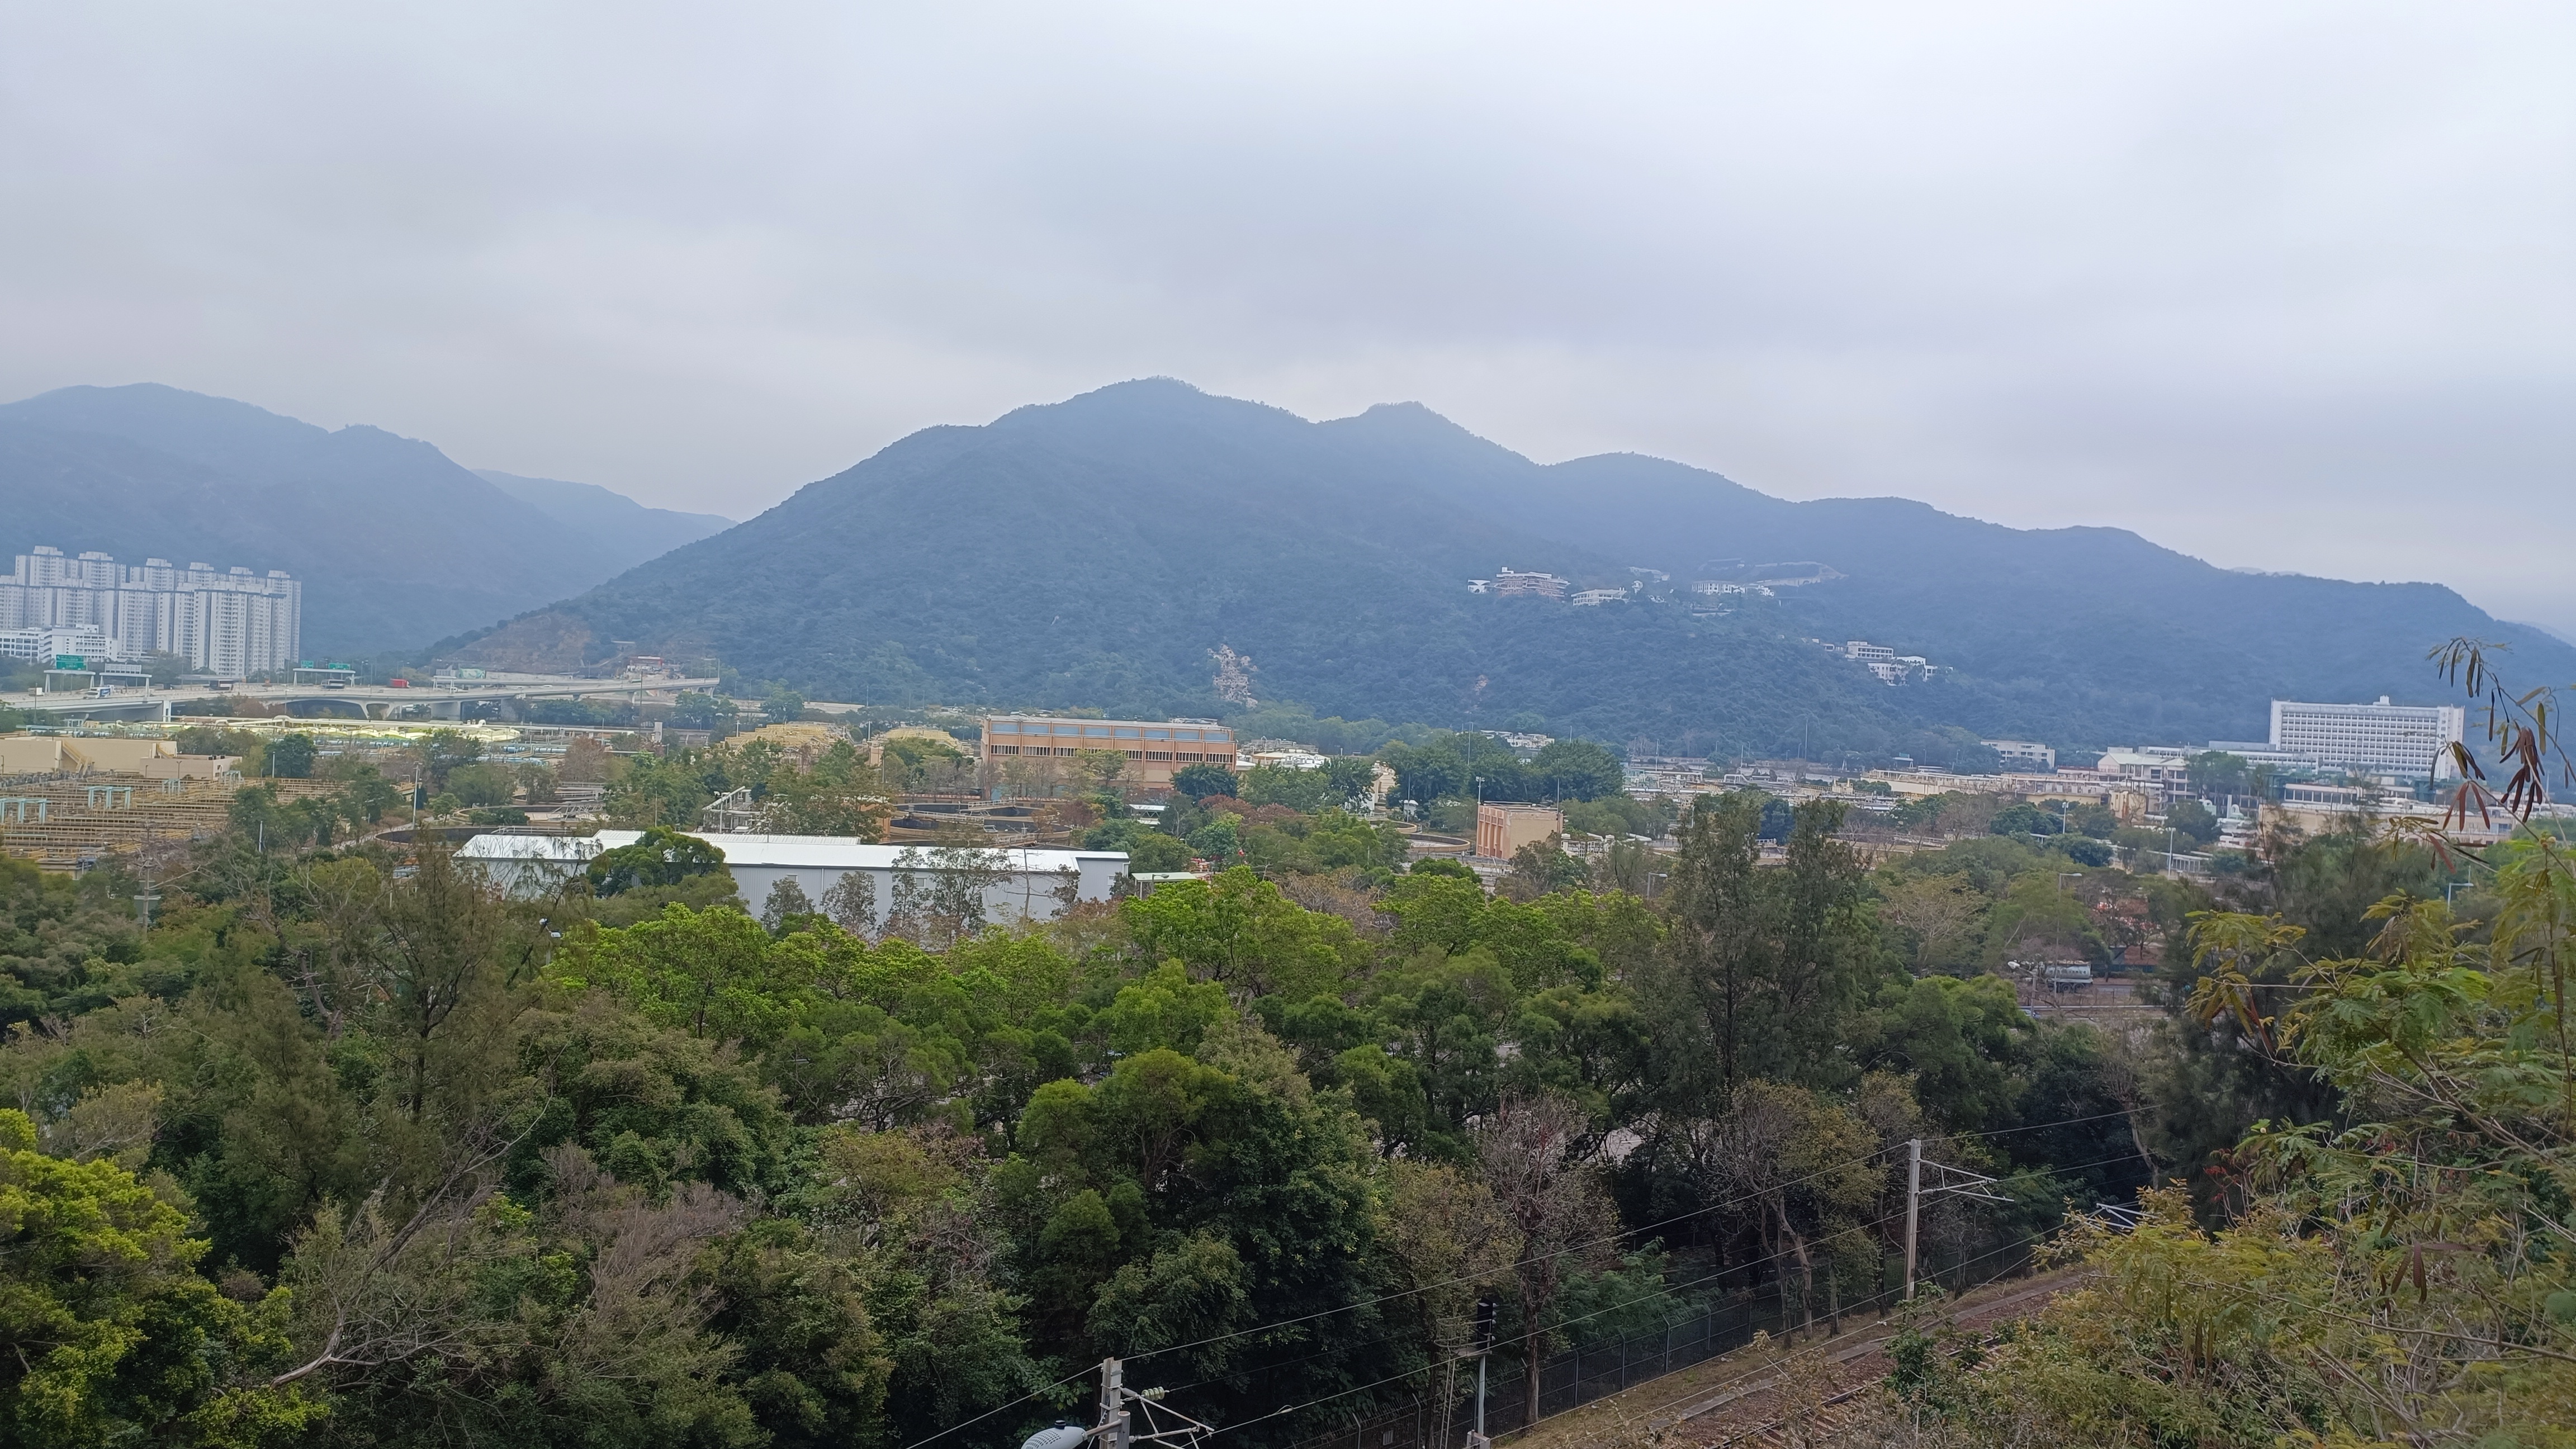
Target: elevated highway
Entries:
(444, 698)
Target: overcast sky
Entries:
(2284, 286)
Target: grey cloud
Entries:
(2284, 286)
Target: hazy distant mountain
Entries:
(610, 518)
(2069, 634)
(396, 544)
(1092, 552)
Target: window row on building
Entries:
(231, 623)
(1154, 749)
(2412, 741)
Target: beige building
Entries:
(1042, 754)
(153, 759)
(1501, 830)
(62, 754)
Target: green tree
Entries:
(1151, 1210)
(1200, 781)
(1149, 853)
(695, 711)
(1578, 770)
(663, 857)
(1302, 790)
(290, 757)
(1239, 930)
(1542, 866)
(443, 752)
(1719, 951)
(2193, 819)
(1960, 1041)
(110, 1335)
(710, 973)
(1827, 958)
(443, 980)
(2216, 772)
(482, 785)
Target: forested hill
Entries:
(1093, 552)
(2054, 632)
(608, 518)
(395, 543)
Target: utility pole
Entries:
(1967, 1184)
(1114, 1423)
(1118, 1406)
(1913, 1205)
(1483, 1350)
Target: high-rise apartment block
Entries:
(231, 624)
(2405, 740)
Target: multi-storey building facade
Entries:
(1034, 753)
(1513, 581)
(231, 623)
(2405, 740)
(2023, 754)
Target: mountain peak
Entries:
(156, 415)
(1414, 429)
(1145, 403)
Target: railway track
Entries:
(1770, 1412)
(1770, 1397)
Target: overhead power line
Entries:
(1274, 1325)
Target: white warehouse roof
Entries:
(817, 852)
(1027, 884)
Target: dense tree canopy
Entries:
(345, 1146)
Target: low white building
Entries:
(1882, 660)
(2155, 768)
(47, 645)
(1291, 758)
(1028, 884)
(2022, 754)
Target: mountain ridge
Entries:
(617, 521)
(396, 544)
(1090, 551)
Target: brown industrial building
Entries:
(1039, 754)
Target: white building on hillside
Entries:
(1882, 660)
(2401, 740)
(2022, 754)
(1020, 885)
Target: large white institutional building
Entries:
(230, 624)
(2385, 739)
